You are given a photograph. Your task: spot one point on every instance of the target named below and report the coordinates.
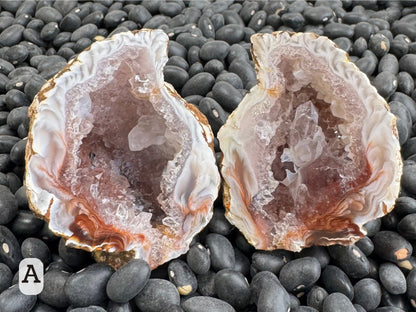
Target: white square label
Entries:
(31, 276)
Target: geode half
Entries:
(116, 160)
(312, 152)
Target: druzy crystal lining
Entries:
(311, 153)
(117, 161)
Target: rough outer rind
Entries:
(383, 151)
(47, 124)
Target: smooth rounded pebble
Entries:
(157, 294)
(12, 300)
(300, 274)
(206, 304)
(337, 302)
(88, 286)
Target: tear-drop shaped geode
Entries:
(117, 161)
(311, 153)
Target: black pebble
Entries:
(7, 142)
(71, 22)
(53, 290)
(214, 67)
(95, 18)
(399, 46)
(17, 116)
(407, 226)
(232, 287)
(231, 78)
(48, 14)
(122, 307)
(335, 30)
(230, 33)
(267, 292)
(215, 49)
(113, 18)
(49, 31)
(5, 67)
(399, 27)
(405, 83)
(72, 256)
(344, 43)
(178, 61)
(385, 83)
(194, 99)
(188, 40)
(221, 251)
(267, 261)
(10, 250)
(199, 84)
(61, 39)
(17, 54)
(403, 121)
(335, 280)
(33, 86)
(226, 95)
(218, 223)
(350, 259)
(8, 205)
(156, 21)
(317, 15)
(408, 64)
(6, 277)
(300, 274)
(139, 14)
(198, 259)
(195, 68)
(366, 245)
(176, 76)
(367, 293)
(337, 302)
(170, 8)
(26, 224)
(407, 101)
(11, 35)
(181, 275)
(206, 284)
(392, 278)
(12, 300)
(33, 247)
(206, 26)
(379, 44)
(213, 111)
(206, 304)
(128, 281)
(193, 55)
(88, 286)
(391, 246)
(157, 294)
(389, 63)
(176, 49)
(86, 31)
(293, 20)
(316, 296)
(245, 71)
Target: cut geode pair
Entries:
(121, 165)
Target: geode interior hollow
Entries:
(312, 151)
(116, 160)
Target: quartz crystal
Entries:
(311, 153)
(117, 161)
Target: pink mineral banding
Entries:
(117, 161)
(312, 152)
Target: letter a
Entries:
(30, 269)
